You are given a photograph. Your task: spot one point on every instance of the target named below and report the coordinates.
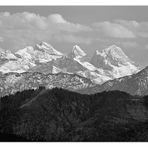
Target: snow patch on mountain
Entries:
(6, 54)
(26, 53)
(41, 53)
(77, 52)
(13, 67)
(114, 60)
(95, 77)
(106, 65)
(43, 46)
(56, 70)
(86, 65)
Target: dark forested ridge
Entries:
(61, 115)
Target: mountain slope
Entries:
(6, 54)
(136, 84)
(107, 65)
(30, 57)
(114, 60)
(76, 62)
(41, 53)
(14, 82)
(77, 53)
(61, 115)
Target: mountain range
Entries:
(50, 96)
(136, 84)
(106, 65)
(42, 59)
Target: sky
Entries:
(90, 27)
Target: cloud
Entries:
(140, 29)
(129, 44)
(73, 39)
(21, 29)
(114, 30)
(64, 25)
(129, 29)
(1, 39)
(57, 18)
(146, 46)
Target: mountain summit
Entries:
(116, 54)
(106, 65)
(45, 47)
(115, 61)
(77, 52)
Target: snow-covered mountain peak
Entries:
(43, 46)
(112, 50)
(56, 70)
(2, 50)
(6, 54)
(25, 52)
(114, 55)
(27, 48)
(115, 52)
(114, 60)
(77, 52)
(105, 65)
(34, 56)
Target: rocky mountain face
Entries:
(136, 84)
(107, 65)
(30, 57)
(62, 115)
(13, 82)
(114, 61)
(6, 54)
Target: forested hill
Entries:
(61, 115)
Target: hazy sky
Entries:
(91, 27)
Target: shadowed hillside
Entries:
(61, 115)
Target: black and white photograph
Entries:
(73, 73)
